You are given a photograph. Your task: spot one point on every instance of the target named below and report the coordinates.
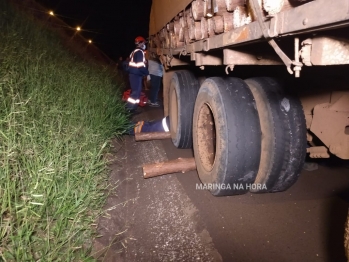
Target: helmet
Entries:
(139, 39)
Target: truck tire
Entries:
(183, 89)
(283, 140)
(226, 136)
(298, 145)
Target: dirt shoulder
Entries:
(149, 219)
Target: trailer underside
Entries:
(212, 46)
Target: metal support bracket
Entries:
(318, 152)
(257, 10)
(229, 67)
(287, 61)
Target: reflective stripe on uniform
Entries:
(164, 125)
(133, 101)
(137, 65)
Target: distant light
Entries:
(51, 13)
(90, 41)
(78, 28)
(209, 15)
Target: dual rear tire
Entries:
(283, 135)
(183, 90)
(226, 135)
(247, 135)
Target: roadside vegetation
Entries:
(57, 114)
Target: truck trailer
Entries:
(253, 86)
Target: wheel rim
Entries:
(206, 137)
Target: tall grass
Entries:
(56, 116)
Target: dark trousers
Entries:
(136, 89)
(155, 82)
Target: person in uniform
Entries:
(137, 70)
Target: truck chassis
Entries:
(255, 130)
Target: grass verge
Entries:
(57, 115)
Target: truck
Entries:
(254, 86)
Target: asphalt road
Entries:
(167, 219)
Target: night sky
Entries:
(111, 24)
